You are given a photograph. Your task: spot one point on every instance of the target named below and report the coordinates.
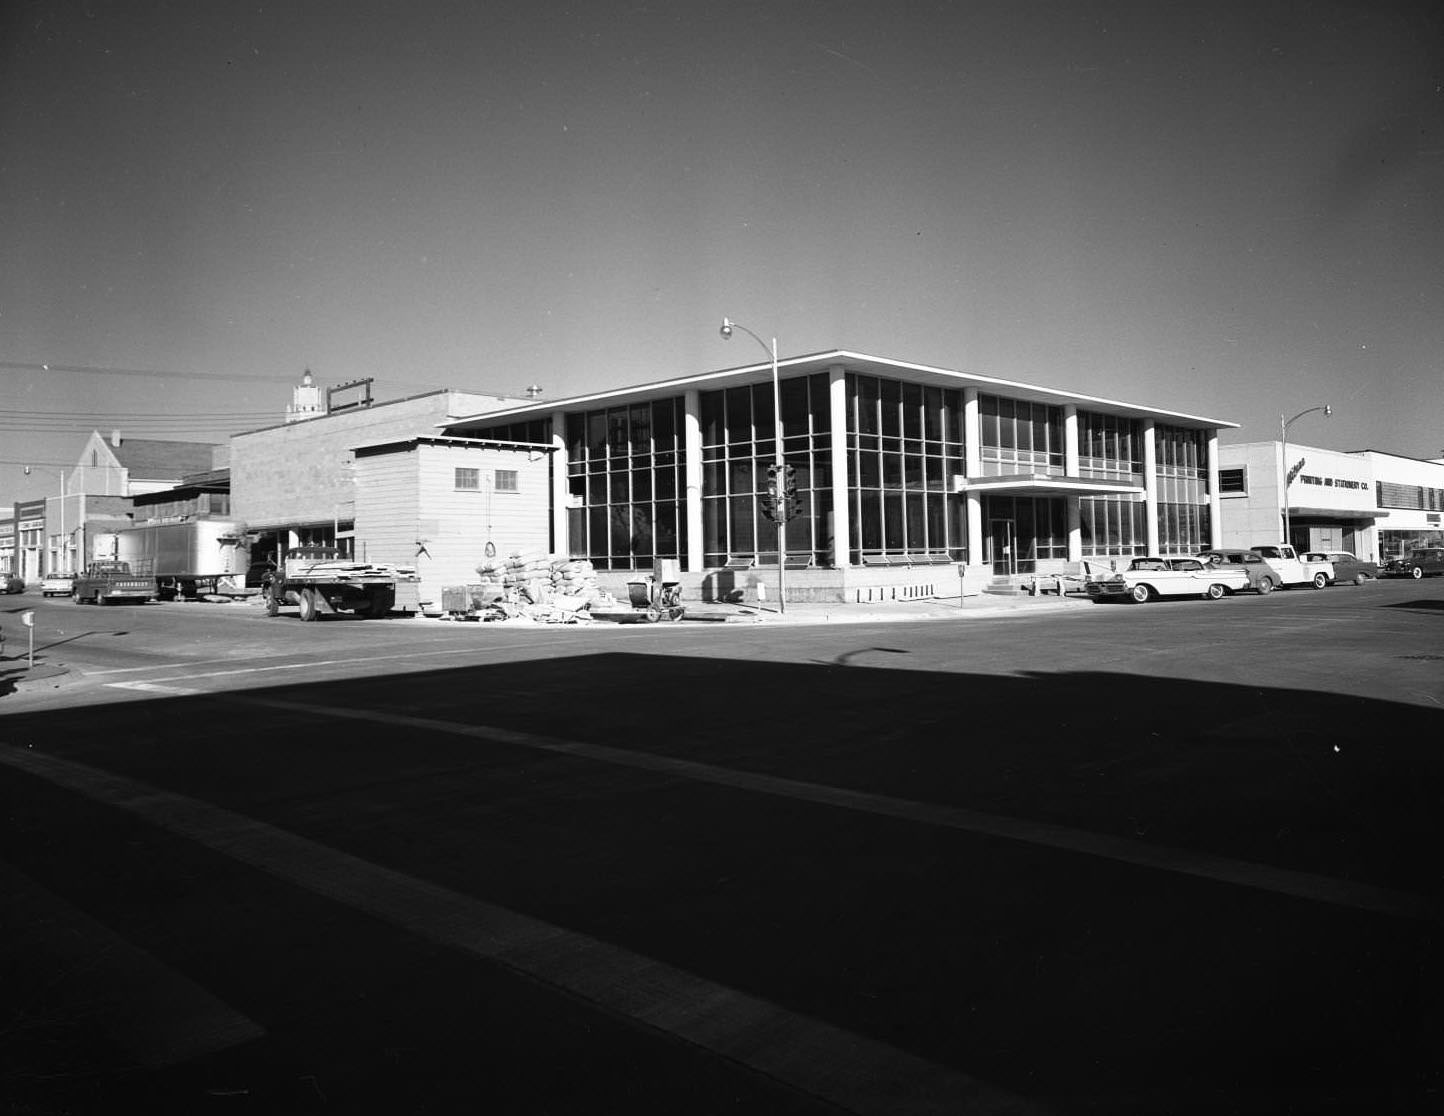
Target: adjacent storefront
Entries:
(1372, 504)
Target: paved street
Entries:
(1179, 857)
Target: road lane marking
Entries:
(856, 1073)
(1241, 873)
(152, 1011)
(159, 684)
(154, 688)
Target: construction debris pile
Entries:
(543, 588)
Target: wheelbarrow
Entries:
(648, 601)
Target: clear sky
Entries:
(1227, 209)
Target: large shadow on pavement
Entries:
(1075, 979)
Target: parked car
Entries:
(13, 584)
(1347, 567)
(1260, 577)
(57, 585)
(1419, 563)
(1290, 568)
(1146, 579)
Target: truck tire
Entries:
(1320, 580)
(76, 597)
(308, 605)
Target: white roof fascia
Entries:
(749, 373)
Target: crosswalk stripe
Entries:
(856, 1073)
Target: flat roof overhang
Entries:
(821, 362)
(1338, 515)
(1040, 484)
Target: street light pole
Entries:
(64, 549)
(728, 325)
(1284, 425)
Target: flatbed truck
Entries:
(320, 581)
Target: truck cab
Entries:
(1287, 568)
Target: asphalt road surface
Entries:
(1180, 857)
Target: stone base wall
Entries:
(826, 586)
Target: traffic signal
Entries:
(771, 498)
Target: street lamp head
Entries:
(726, 330)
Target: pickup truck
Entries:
(107, 581)
(1287, 568)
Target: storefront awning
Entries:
(1042, 484)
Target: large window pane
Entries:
(665, 424)
(867, 399)
(641, 422)
(712, 412)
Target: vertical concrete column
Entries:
(561, 490)
(1150, 485)
(841, 481)
(1070, 439)
(1071, 469)
(973, 466)
(692, 458)
(1215, 504)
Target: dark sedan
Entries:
(9, 583)
(1419, 563)
(1347, 567)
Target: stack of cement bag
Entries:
(528, 576)
(574, 577)
(555, 585)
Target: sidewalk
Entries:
(834, 612)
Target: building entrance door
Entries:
(1002, 546)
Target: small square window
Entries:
(1232, 480)
(506, 480)
(468, 480)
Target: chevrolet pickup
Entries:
(107, 581)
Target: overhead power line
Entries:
(163, 374)
(4, 412)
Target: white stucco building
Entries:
(1373, 504)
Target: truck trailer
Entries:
(187, 559)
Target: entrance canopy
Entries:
(1042, 484)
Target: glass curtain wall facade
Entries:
(1183, 514)
(1110, 447)
(1113, 526)
(738, 444)
(625, 468)
(1020, 437)
(904, 445)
